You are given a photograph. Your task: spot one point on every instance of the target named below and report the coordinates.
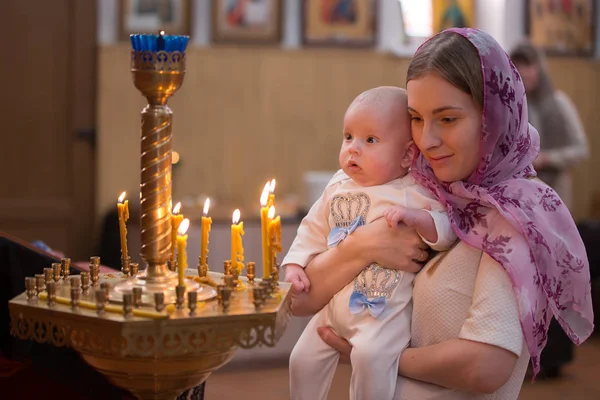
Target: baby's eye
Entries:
(371, 139)
(348, 136)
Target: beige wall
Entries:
(245, 115)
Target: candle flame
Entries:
(183, 227)
(122, 197)
(271, 214)
(265, 194)
(177, 208)
(272, 186)
(236, 216)
(206, 206)
(161, 33)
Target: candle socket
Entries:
(56, 271)
(236, 275)
(265, 284)
(257, 298)
(40, 283)
(137, 297)
(75, 282)
(225, 298)
(229, 281)
(220, 289)
(47, 275)
(95, 260)
(133, 269)
(51, 289)
(75, 294)
(106, 287)
(100, 301)
(171, 265)
(159, 301)
(85, 281)
(250, 272)
(275, 275)
(202, 269)
(227, 267)
(30, 287)
(94, 274)
(192, 301)
(179, 293)
(65, 267)
(127, 305)
(125, 265)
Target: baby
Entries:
(374, 312)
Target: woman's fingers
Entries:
(332, 339)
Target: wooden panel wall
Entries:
(245, 115)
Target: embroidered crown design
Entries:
(376, 281)
(345, 208)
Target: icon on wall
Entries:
(150, 16)
(564, 27)
(453, 14)
(339, 22)
(246, 21)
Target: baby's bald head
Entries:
(389, 103)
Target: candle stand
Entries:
(144, 330)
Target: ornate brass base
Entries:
(159, 378)
(155, 355)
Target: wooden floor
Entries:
(581, 381)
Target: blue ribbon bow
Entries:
(339, 233)
(358, 302)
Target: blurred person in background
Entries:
(563, 144)
(562, 137)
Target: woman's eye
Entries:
(415, 119)
(371, 139)
(448, 120)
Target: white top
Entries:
(350, 199)
(465, 294)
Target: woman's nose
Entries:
(429, 138)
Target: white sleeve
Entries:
(494, 315)
(311, 238)
(418, 197)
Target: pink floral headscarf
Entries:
(519, 221)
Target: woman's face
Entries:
(446, 126)
(530, 73)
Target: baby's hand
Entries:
(297, 277)
(396, 214)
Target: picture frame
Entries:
(341, 23)
(448, 14)
(246, 22)
(151, 16)
(562, 28)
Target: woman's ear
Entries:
(409, 154)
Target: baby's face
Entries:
(375, 145)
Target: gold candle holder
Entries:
(65, 267)
(250, 272)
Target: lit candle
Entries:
(274, 236)
(160, 41)
(237, 250)
(264, 224)
(123, 208)
(176, 218)
(206, 223)
(181, 252)
(271, 200)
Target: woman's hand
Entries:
(399, 247)
(337, 343)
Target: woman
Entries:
(562, 139)
(471, 332)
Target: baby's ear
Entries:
(409, 154)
